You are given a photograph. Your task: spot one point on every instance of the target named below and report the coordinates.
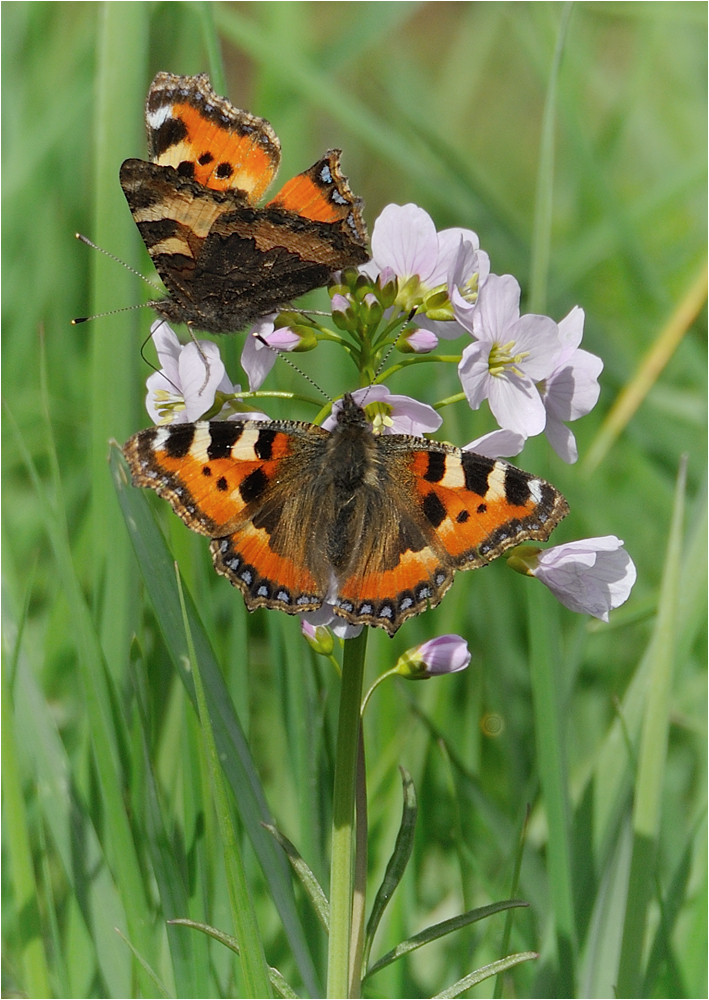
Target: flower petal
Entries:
(591, 576)
(501, 443)
(404, 238)
(256, 358)
(516, 404)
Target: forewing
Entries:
(443, 510)
(229, 480)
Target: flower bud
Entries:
(319, 637)
(416, 342)
(387, 287)
(343, 314)
(445, 654)
(308, 340)
(371, 310)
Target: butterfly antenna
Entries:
(111, 312)
(288, 361)
(94, 246)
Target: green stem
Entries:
(421, 359)
(343, 818)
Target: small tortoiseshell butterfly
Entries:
(224, 261)
(376, 525)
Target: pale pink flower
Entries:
(261, 347)
(190, 376)
(591, 576)
(389, 414)
(510, 355)
(572, 389)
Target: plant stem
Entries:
(343, 818)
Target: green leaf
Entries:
(440, 930)
(310, 884)
(242, 909)
(278, 982)
(494, 969)
(397, 862)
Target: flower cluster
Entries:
(419, 287)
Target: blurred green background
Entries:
(440, 104)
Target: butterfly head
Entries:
(351, 414)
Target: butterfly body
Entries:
(226, 261)
(375, 525)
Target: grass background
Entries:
(107, 814)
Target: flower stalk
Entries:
(343, 820)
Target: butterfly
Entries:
(375, 525)
(224, 261)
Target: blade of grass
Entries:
(311, 886)
(122, 50)
(652, 756)
(156, 568)
(543, 203)
(242, 909)
(119, 847)
(150, 973)
(34, 959)
(190, 958)
(507, 933)
(649, 370)
(545, 668)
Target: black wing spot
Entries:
(464, 515)
(436, 467)
(253, 486)
(264, 444)
(222, 484)
(224, 436)
(476, 469)
(206, 471)
(434, 509)
(204, 159)
(516, 487)
(171, 132)
(179, 440)
(186, 169)
(224, 170)
(482, 508)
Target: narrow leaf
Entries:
(242, 910)
(494, 969)
(312, 887)
(652, 756)
(440, 930)
(146, 966)
(397, 862)
(281, 985)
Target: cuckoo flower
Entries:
(261, 347)
(571, 391)
(189, 378)
(427, 264)
(510, 354)
(390, 414)
(591, 576)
